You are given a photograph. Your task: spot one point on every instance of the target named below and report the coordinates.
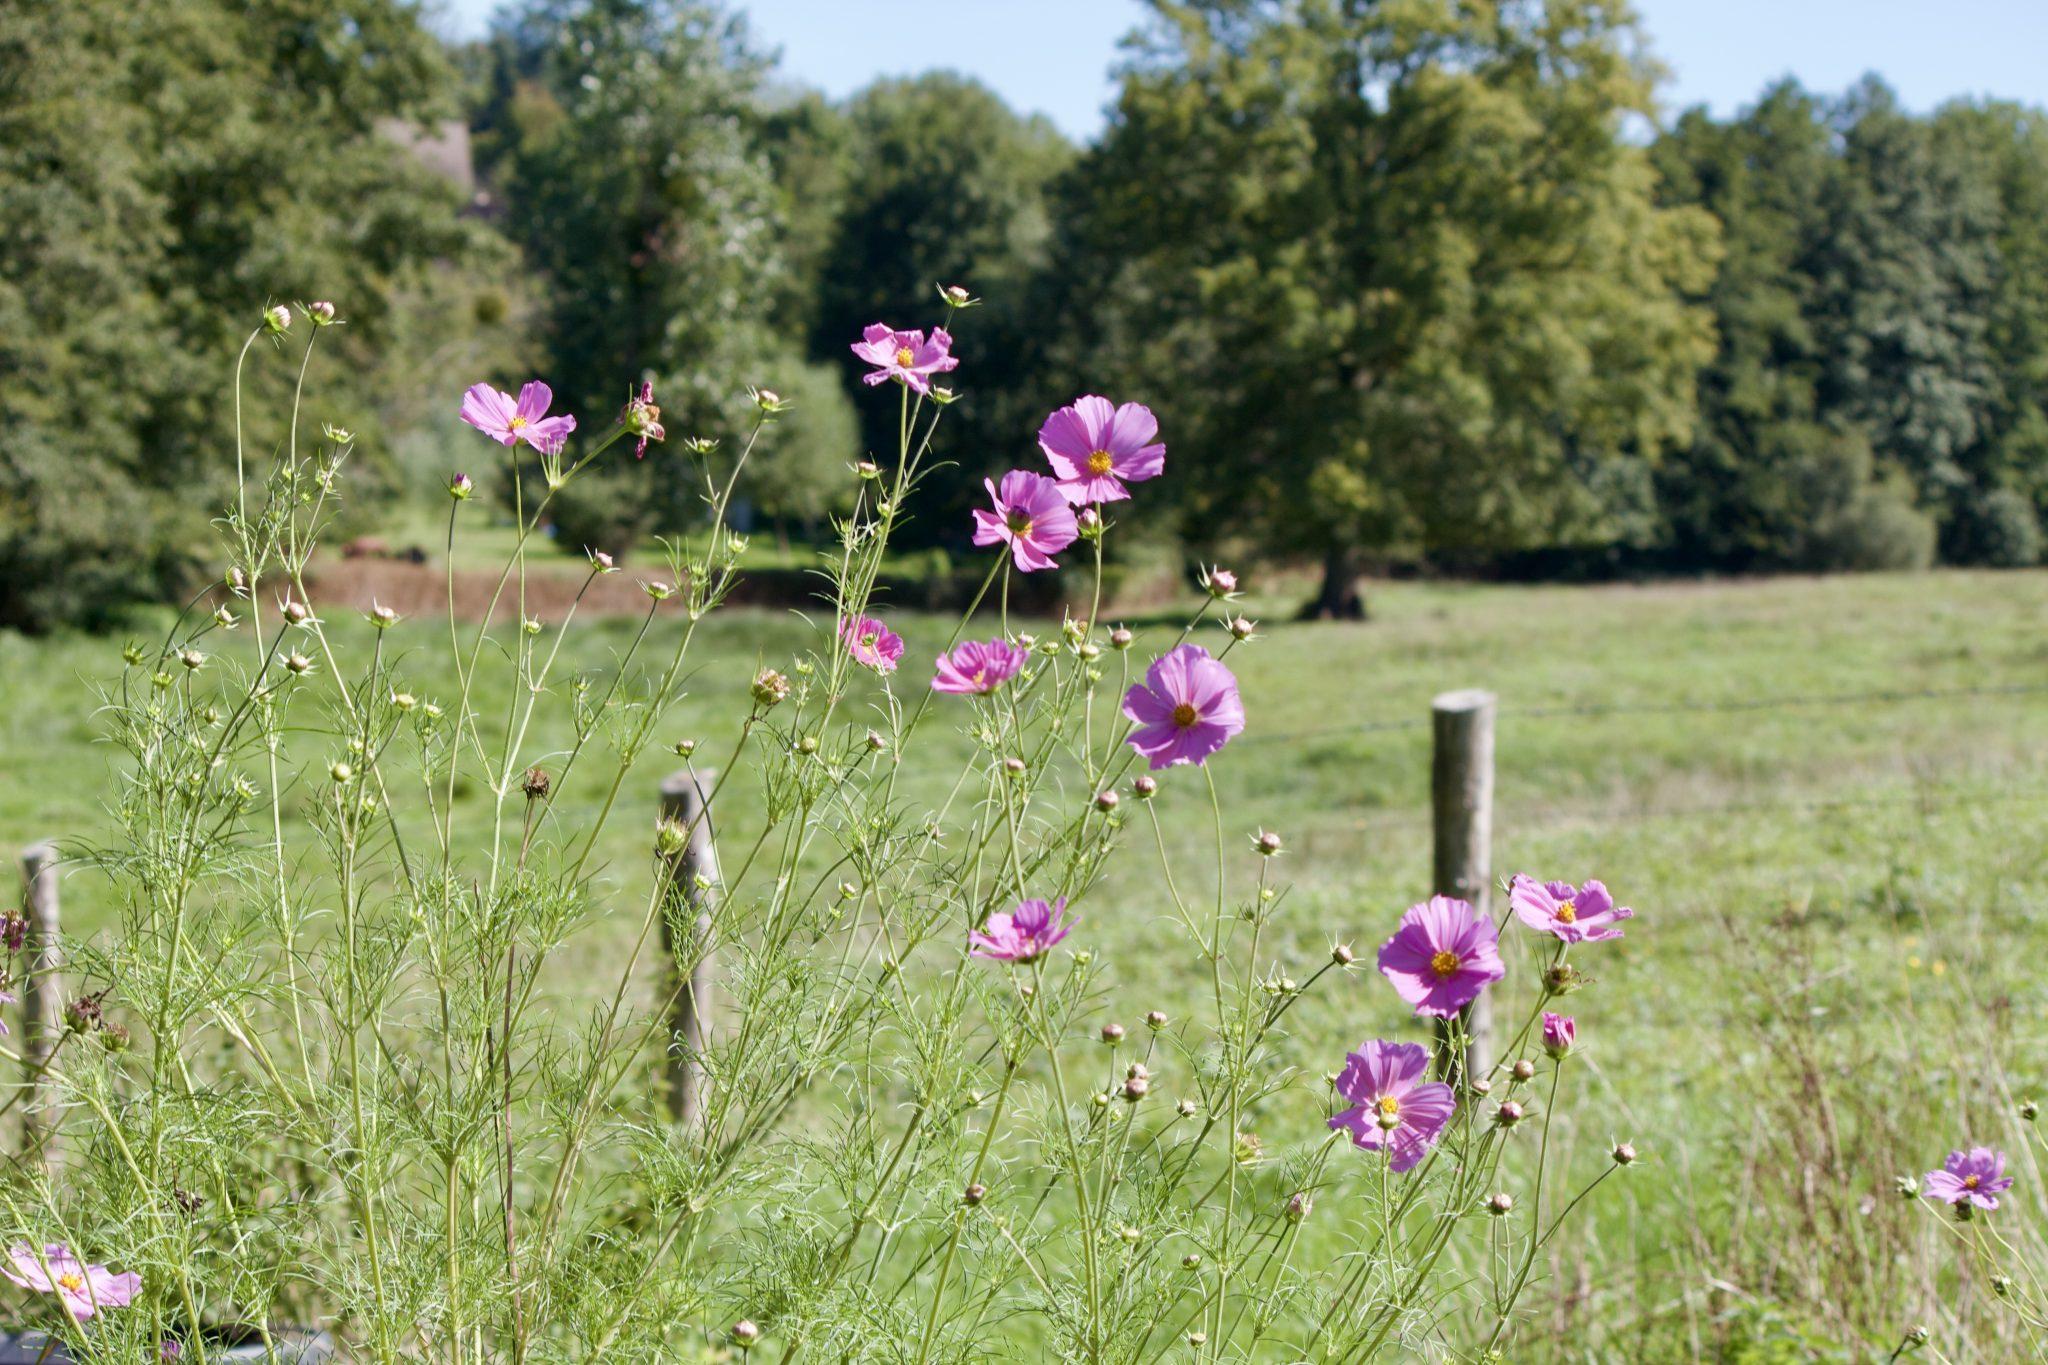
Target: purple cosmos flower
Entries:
(1095, 449)
(1186, 709)
(1973, 1177)
(1021, 935)
(979, 668)
(872, 643)
(1575, 914)
(905, 355)
(508, 421)
(1393, 1108)
(83, 1289)
(1560, 1033)
(1031, 515)
(1443, 955)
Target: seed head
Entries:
(876, 743)
(535, 784)
(83, 1014)
(770, 688)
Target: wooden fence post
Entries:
(1461, 798)
(692, 871)
(44, 997)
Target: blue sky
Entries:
(1053, 56)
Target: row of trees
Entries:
(1416, 282)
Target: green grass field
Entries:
(1834, 972)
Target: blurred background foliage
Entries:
(1414, 285)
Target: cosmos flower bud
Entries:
(1186, 1109)
(82, 1014)
(1240, 629)
(957, 296)
(770, 688)
(1523, 1069)
(1299, 1206)
(534, 784)
(1131, 1236)
(1219, 582)
(1501, 1205)
(277, 320)
(381, 616)
(131, 654)
(1624, 1154)
(341, 772)
(115, 1038)
(1916, 1335)
(1112, 1033)
(1509, 1114)
(1266, 842)
(1247, 1149)
(745, 1333)
(298, 663)
(875, 742)
(1560, 1035)
(1121, 638)
(1342, 955)
(807, 745)
(296, 612)
(868, 469)
(602, 562)
(973, 1195)
(404, 701)
(192, 659)
(1145, 786)
(657, 590)
(1106, 800)
(1155, 1019)
(1135, 1087)
(226, 619)
(670, 839)
(767, 400)
(2001, 1285)
(321, 312)
(1191, 1261)
(1088, 522)
(1563, 979)
(684, 747)
(460, 487)
(1479, 1085)
(1907, 1187)
(2029, 1110)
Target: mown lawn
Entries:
(1839, 903)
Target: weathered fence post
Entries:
(692, 870)
(44, 997)
(1461, 798)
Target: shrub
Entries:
(322, 1070)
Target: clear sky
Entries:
(1054, 56)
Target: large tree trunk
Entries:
(1339, 598)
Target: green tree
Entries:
(1393, 274)
(165, 170)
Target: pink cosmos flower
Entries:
(508, 422)
(1031, 515)
(1560, 1033)
(1393, 1108)
(1443, 955)
(1973, 1177)
(83, 1289)
(1186, 709)
(905, 355)
(1021, 935)
(979, 668)
(1575, 914)
(1095, 449)
(872, 643)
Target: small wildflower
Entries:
(1573, 914)
(1021, 935)
(909, 357)
(82, 1289)
(1028, 513)
(1976, 1176)
(1393, 1108)
(1186, 710)
(523, 420)
(871, 643)
(1443, 955)
(1095, 449)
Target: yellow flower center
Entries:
(1185, 715)
(1970, 1182)
(1567, 912)
(72, 1281)
(1389, 1105)
(1099, 463)
(1445, 963)
(868, 640)
(905, 357)
(1019, 524)
(516, 423)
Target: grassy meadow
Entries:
(1834, 975)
